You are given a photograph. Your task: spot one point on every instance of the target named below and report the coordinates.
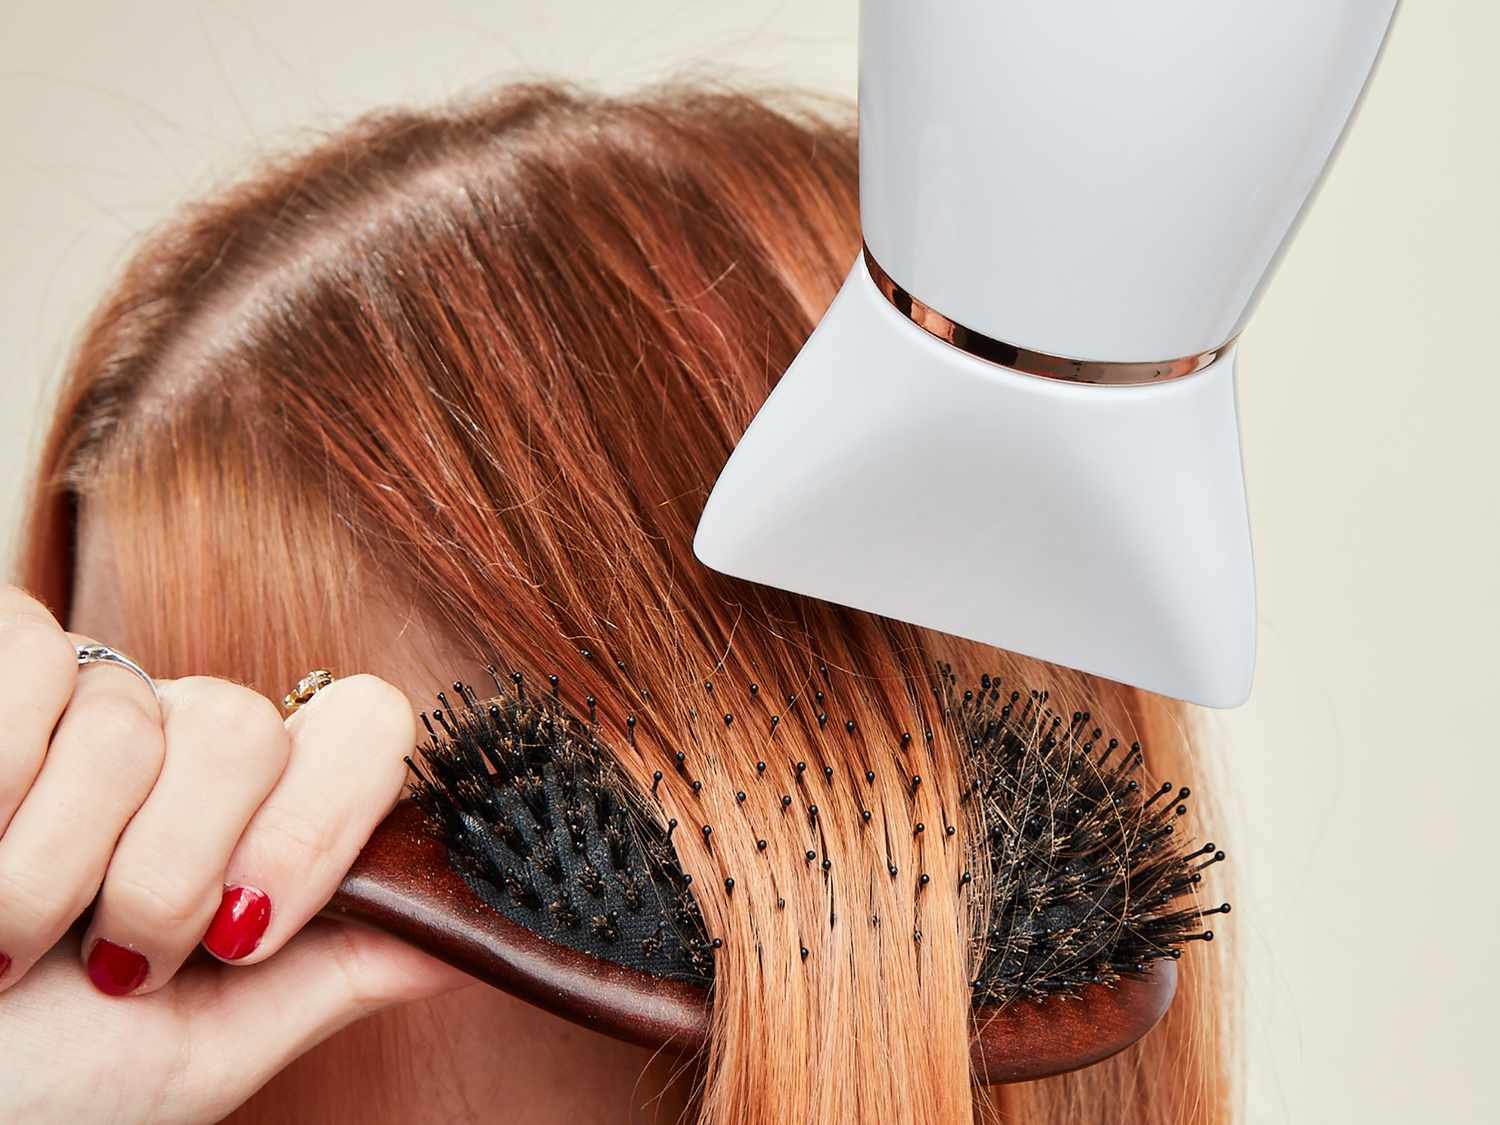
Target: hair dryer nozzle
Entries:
(1101, 528)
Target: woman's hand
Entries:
(201, 818)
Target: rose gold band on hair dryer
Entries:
(1025, 360)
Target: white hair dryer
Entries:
(1016, 422)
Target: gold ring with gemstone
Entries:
(307, 687)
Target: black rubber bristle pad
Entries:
(542, 826)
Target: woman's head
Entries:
(453, 387)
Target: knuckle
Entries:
(34, 641)
(295, 838)
(34, 904)
(350, 959)
(159, 905)
(16, 602)
(120, 724)
(221, 707)
(15, 783)
(377, 700)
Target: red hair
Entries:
(480, 367)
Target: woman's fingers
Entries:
(200, 1047)
(245, 1024)
(226, 747)
(104, 757)
(205, 817)
(37, 670)
(345, 772)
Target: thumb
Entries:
(246, 1023)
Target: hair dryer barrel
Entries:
(1100, 181)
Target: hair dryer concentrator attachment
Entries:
(1100, 528)
(1016, 423)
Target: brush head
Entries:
(1089, 877)
(541, 825)
(1083, 880)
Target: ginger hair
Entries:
(482, 364)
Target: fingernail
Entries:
(116, 970)
(238, 924)
(4, 965)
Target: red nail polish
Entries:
(239, 923)
(4, 965)
(116, 970)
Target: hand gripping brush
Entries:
(1016, 422)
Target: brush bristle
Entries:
(1084, 878)
(540, 824)
(1089, 877)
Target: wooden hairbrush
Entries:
(524, 859)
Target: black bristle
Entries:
(563, 910)
(538, 821)
(1089, 885)
(1085, 874)
(591, 881)
(606, 927)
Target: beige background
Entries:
(1362, 776)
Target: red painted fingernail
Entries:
(239, 923)
(4, 965)
(116, 970)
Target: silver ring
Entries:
(103, 654)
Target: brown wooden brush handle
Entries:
(402, 884)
